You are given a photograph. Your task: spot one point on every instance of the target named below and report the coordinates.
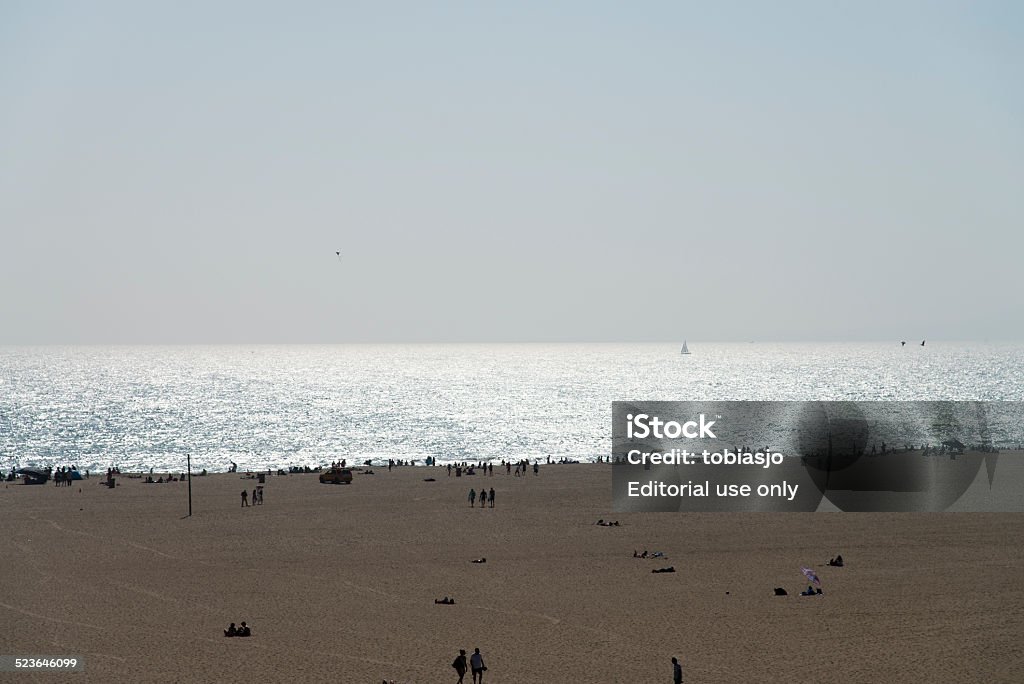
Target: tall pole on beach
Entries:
(189, 457)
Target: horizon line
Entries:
(915, 342)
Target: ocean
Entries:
(263, 407)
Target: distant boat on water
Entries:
(684, 350)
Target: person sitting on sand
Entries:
(809, 592)
(244, 630)
(231, 631)
(837, 561)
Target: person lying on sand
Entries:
(445, 601)
(670, 568)
(479, 560)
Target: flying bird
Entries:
(339, 255)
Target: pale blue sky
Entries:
(184, 172)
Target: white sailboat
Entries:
(684, 350)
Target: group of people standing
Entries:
(522, 466)
(485, 496)
(257, 497)
(62, 476)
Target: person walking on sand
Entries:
(472, 497)
(245, 498)
(460, 665)
(483, 498)
(476, 663)
(677, 672)
(491, 499)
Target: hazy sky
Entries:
(184, 172)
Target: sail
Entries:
(684, 350)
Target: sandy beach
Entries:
(338, 584)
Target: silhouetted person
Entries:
(231, 631)
(492, 497)
(245, 498)
(677, 672)
(460, 665)
(476, 663)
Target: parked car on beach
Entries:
(336, 476)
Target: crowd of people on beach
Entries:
(161, 479)
(522, 467)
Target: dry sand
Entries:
(338, 584)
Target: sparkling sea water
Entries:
(275, 406)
